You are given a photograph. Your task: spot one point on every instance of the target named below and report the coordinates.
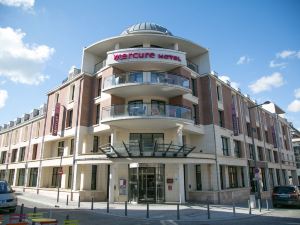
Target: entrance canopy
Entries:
(137, 149)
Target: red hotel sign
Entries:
(56, 119)
(145, 55)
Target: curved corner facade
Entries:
(144, 120)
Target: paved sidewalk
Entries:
(188, 212)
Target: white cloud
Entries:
(233, 84)
(266, 83)
(21, 62)
(286, 54)
(297, 93)
(274, 65)
(3, 98)
(25, 4)
(294, 106)
(243, 60)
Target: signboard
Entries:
(170, 181)
(56, 119)
(234, 121)
(146, 55)
(122, 187)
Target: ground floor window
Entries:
(252, 179)
(198, 178)
(70, 176)
(21, 177)
(2, 174)
(263, 178)
(222, 177)
(232, 173)
(94, 177)
(11, 176)
(55, 177)
(278, 176)
(33, 177)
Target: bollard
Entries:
(208, 211)
(107, 207)
(249, 207)
(178, 215)
(78, 201)
(92, 204)
(259, 204)
(67, 200)
(147, 215)
(125, 208)
(233, 208)
(21, 213)
(34, 211)
(267, 204)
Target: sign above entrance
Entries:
(146, 55)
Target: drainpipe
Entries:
(42, 149)
(214, 134)
(75, 152)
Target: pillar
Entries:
(112, 178)
(181, 183)
(179, 136)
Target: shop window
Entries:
(2, 174)
(232, 173)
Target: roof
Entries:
(146, 27)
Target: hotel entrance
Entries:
(146, 183)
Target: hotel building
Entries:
(145, 120)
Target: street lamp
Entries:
(253, 149)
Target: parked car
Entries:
(286, 195)
(8, 199)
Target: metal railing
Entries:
(99, 66)
(151, 77)
(192, 66)
(146, 110)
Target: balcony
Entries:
(146, 116)
(148, 83)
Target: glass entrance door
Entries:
(146, 183)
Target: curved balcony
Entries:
(148, 83)
(146, 116)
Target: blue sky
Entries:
(256, 44)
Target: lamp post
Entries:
(253, 148)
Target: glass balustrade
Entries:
(144, 110)
(152, 77)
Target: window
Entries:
(196, 114)
(194, 87)
(136, 77)
(278, 176)
(11, 176)
(269, 155)
(158, 107)
(69, 117)
(258, 133)
(99, 86)
(94, 177)
(3, 157)
(145, 141)
(221, 118)
(14, 155)
(225, 146)
(56, 97)
(249, 133)
(37, 129)
(71, 146)
(95, 144)
(260, 153)
(70, 176)
(60, 148)
(232, 173)
(33, 177)
(72, 92)
(34, 151)
(198, 178)
(22, 154)
(237, 149)
(219, 93)
(55, 177)
(135, 108)
(271, 177)
(267, 136)
(25, 133)
(21, 177)
(222, 177)
(275, 156)
(251, 151)
(97, 113)
(2, 174)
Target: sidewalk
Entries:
(187, 212)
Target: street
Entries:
(282, 216)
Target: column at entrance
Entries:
(181, 183)
(112, 183)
